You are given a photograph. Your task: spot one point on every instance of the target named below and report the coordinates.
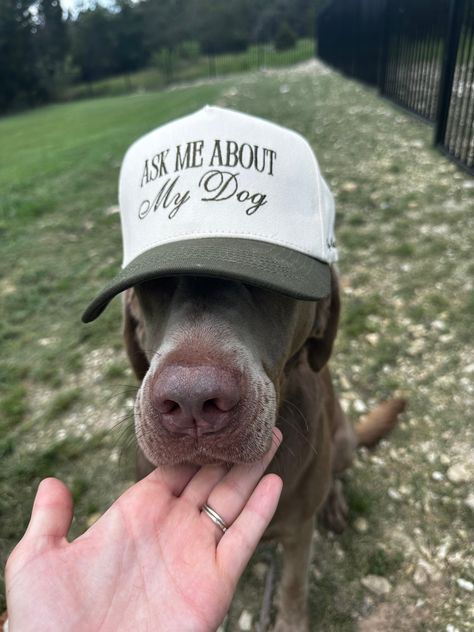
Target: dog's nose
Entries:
(195, 400)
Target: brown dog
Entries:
(220, 364)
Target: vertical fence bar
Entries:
(383, 47)
(449, 67)
(462, 140)
(468, 159)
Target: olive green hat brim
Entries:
(254, 262)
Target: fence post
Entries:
(383, 47)
(456, 12)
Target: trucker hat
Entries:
(220, 193)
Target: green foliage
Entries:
(42, 57)
(285, 37)
(19, 76)
(189, 50)
(165, 61)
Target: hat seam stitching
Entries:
(192, 236)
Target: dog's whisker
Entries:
(294, 426)
(118, 424)
(298, 410)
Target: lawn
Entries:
(405, 232)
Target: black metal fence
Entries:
(349, 37)
(419, 53)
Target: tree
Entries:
(224, 26)
(165, 24)
(127, 27)
(93, 43)
(19, 79)
(285, 38)
(51, 36)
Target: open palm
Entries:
(152, 562)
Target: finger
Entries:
(173, 477)
(52, 511)
(200, 486)
(230, 495)
(240, 541)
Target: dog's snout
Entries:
(195, 400)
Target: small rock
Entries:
(439, 325)
(451, 628)
(260, 570)
(245, 620)
(446, 338)
(45, 342)
(349, 187)
(344, 404)
(420, 576)
(377, 585)
(416, 347)
(461, 473)
(361, 525)
(394, 494)
(359, 406)
(284, 89)
(372, 339)
(465, 584)
(424, 572)
(437, 476)
(112, 210)
(469, 502)
(344, 382)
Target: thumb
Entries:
(52, 511)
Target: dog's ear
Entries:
(320, 342)
(133, 334)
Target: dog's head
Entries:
(209, 203)
(214, 356)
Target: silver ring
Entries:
(214, 516)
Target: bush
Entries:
(285, 37)
(189, 50)
(164, 60)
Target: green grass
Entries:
(405, 233)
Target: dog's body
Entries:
(221, 364)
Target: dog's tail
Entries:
(378, 423)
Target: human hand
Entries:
(153, 561)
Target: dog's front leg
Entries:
(293, 590)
